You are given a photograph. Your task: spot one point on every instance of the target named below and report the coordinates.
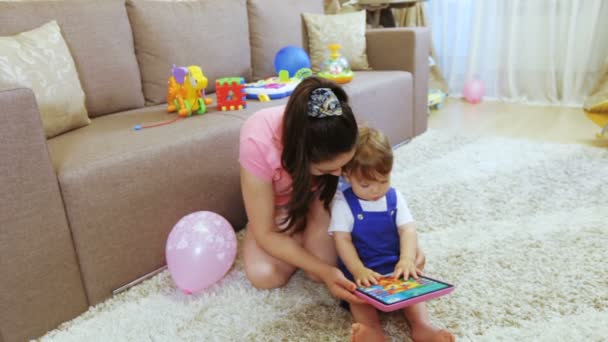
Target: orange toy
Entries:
(186, 91)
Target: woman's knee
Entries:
(266, 276)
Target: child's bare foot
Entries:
(363, 333)
(427, 333)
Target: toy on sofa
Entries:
(185, 94)
(292, 59)
(274, 88)
(230, 94)
(186, 91)
(336, 67)
(269, 89)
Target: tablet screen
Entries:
(391, 291)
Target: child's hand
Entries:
(365, 277)
(406, 268)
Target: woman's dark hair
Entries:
(308, 140)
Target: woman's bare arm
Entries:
(259, 204)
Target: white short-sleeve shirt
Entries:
(342, 219)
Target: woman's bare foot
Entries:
(363, 333)
(423, 332)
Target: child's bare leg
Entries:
(421, 326)
(367, 327)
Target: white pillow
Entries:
(40, 59)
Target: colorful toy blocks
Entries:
(230, 94)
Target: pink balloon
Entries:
(200, 249)
(473, 90)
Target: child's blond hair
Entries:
(373, 155)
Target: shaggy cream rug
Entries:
(520, 227)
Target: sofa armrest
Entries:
(40, 286)
(407, 49)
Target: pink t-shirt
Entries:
(260, 151)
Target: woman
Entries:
(291, 158)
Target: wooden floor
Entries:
(555, 124)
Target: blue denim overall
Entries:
(375, 235)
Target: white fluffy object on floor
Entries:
(520, 227)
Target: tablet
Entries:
(391, 294)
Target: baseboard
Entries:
(138, 280)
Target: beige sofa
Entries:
(88, 211)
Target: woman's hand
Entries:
(364, 277)
(339, 286)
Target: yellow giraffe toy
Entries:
(186, 91)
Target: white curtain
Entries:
(532, 51)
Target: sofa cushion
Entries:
(99, 37)
(384, 100)
(40, 60)
(209, 33)
(274, 24)
(124, 189)
(381, 99)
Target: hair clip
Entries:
(323, 103)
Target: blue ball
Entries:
(292, 59)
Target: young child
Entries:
(374, 233)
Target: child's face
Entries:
(369, 189)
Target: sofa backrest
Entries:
(124, 54)
(274, 24)
(99, 37)
(210, 33)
